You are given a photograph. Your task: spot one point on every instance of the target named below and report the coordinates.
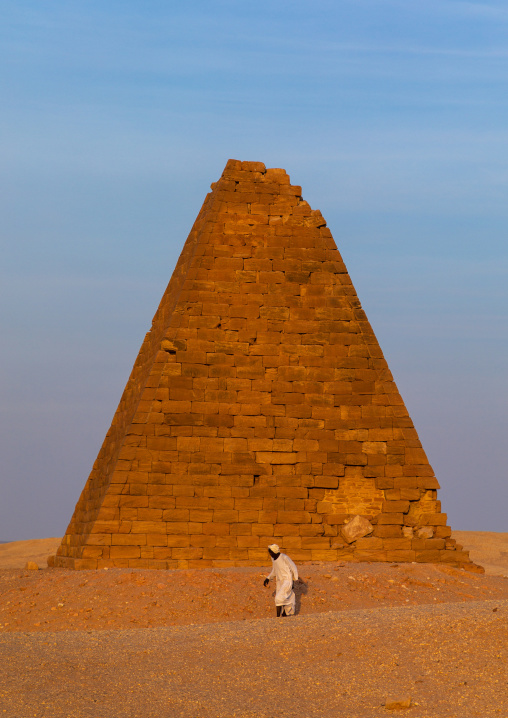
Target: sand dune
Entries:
(16, 553)
(487, 548)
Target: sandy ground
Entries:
(448, 661)
(61, 600)
(205, 642)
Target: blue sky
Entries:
(115, 117)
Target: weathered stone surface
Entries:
(31, 566)
(425, 532)
(356, 528)
(260, 406)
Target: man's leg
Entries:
(279, 609)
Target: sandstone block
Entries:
(293, 517)
(117, 552)
(91, 551)
(216, 529)
(433, 519)
(428, 482)
(397, 544)
(190, 553)
(335, 519)
(226, 541)
(176, 541)
(405, 482)
(436, 543)
(312, 529)
(128, 539)
(107, 527)
(259, 554)
(387, 519)
(370, 555)
(384, 482)
(356, 528)
(388, 531)
(315, 542)
(241, 529)
(265, 529)
(291, 542)
(225, 516)
(395, 507)
(247, 541)
(100, 539)
(286, 530)
(369, 543)
(156, 540)
(321, 554)
(409, 494)
(200, 516)
(179, 527)
(442, 531)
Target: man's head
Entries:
(274, 551)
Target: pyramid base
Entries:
(449, 557)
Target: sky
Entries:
(115, 118)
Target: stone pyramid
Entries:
(260, 409)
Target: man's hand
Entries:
(266, 582)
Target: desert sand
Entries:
(205, 642)
(15, 554)
(487, 548)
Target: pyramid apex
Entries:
(245, 166)
(240, 170)
(233, 165)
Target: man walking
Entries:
(285, 572)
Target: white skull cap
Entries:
(273, 547)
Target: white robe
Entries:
(285, 572)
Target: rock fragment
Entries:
(356, 528)
(398, 704)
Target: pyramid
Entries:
(260, 409)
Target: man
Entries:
(285, 572)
